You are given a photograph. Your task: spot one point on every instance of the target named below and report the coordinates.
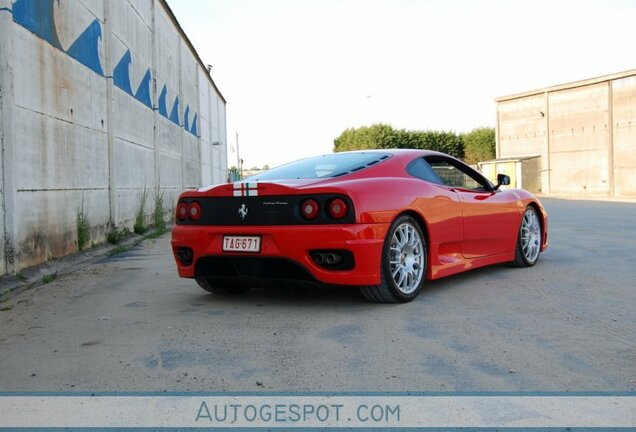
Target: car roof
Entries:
(401, 154)
(395, 151)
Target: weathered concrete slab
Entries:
(98, 100)
(584, 132)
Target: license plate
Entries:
(241, 244)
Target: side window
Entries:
(421, 169)
(452, 176)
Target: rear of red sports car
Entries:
(305, 230)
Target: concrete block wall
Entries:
(624, 136)
(583, 131)
(99, 101)
(522, 131)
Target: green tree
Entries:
(379, 136)
(365, 137)
(479, 144)
(442, 141)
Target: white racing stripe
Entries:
(245, 189)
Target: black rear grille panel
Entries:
(251, 267)
(265, 210)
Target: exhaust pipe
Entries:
(185, 255)
(332, 258)
(319, 258)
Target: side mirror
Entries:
(502, 180)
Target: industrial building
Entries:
(101, 103)
(584, 134)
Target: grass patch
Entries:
(83, 228)
(5, 304)
(48, 278)
(159, 222)
(156, 233)
(140, 226)
(115, 235)
(5, 296)
(20, 276)
(118, 250)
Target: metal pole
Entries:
(610, 131)
(548, 163)
(9, 219)
(238, 156)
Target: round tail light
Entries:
(309, 209)
(194, 211)
(182, 211)
(338, 208)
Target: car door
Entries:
(442, 208)
(490, 217)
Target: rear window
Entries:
(331, 165)
(421, 169)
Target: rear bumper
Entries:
(365, 241)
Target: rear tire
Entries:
(209, 286)
(529, 238)
(404, 263)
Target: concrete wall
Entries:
(522, 131)
(585, 133)
(624, 136)
(99, 100)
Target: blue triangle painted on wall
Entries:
(193, 129)
(186, 119)
(86, 48)
(143, 92)
(37, 16)
(121, 73)
(174, 114)
(163, 108)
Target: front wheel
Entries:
(209, 286)
(528, 240)
(403, 264)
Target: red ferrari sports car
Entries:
(381, 220)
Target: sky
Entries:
(296, 73)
